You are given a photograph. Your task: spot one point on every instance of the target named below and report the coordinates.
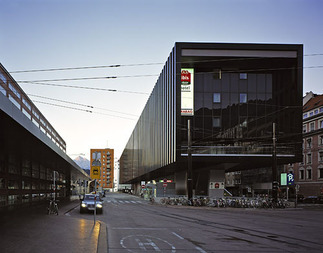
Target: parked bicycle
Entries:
(53, 207)
(232, 202)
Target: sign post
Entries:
(94, 201)
(95, 174)
(296, 190)
(165, 186)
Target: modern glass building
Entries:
(232, 94)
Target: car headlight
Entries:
(83, 205)
(98, 205)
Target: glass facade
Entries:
(235, 111)
(240, 90)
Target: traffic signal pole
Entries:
(94, 201)
(189, 161)
(274, 168)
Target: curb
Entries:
(102, 240)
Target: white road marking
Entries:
(177, 235)
(128, 228)
(200, 250)
(149, 241)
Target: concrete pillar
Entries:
(216, 183)
(136, 188)
(181, 183)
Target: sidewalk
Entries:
(35, 231)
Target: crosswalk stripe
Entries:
(124, 201)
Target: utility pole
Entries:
(189, 161)
(274, 167)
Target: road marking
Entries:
(149, 242)
(146, 243)
(177, 235)
(200, 250)
(125, 201)
(128, 228)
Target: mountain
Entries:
(83, 163)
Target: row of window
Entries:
(312, 126)
(242, 98)
(12, 200)
(307, 173)
(312, 113)
(309, 142)
(25, 185)
(233, 181)
(308, 157)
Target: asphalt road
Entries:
(135, 225)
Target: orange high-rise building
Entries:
(105, 159)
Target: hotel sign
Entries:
(187, 92)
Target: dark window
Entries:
(216, 122)
(309, 173)
(301, 174)
(320, 172)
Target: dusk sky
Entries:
(139, 35)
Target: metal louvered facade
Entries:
(152, 144)
(240, 90)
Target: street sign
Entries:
(290, 179)
(95, 172)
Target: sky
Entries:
(138, 35)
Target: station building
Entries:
(232, 94)
(33, 161)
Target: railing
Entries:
(10, 89)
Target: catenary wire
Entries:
(196, 131)
(79, 104)
(89, 88)
(151, 75)
(124, 65)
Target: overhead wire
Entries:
(181, 125)
(155, 75)
(113, 77)
(89, 88)
(130, 65)
(79, 104)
